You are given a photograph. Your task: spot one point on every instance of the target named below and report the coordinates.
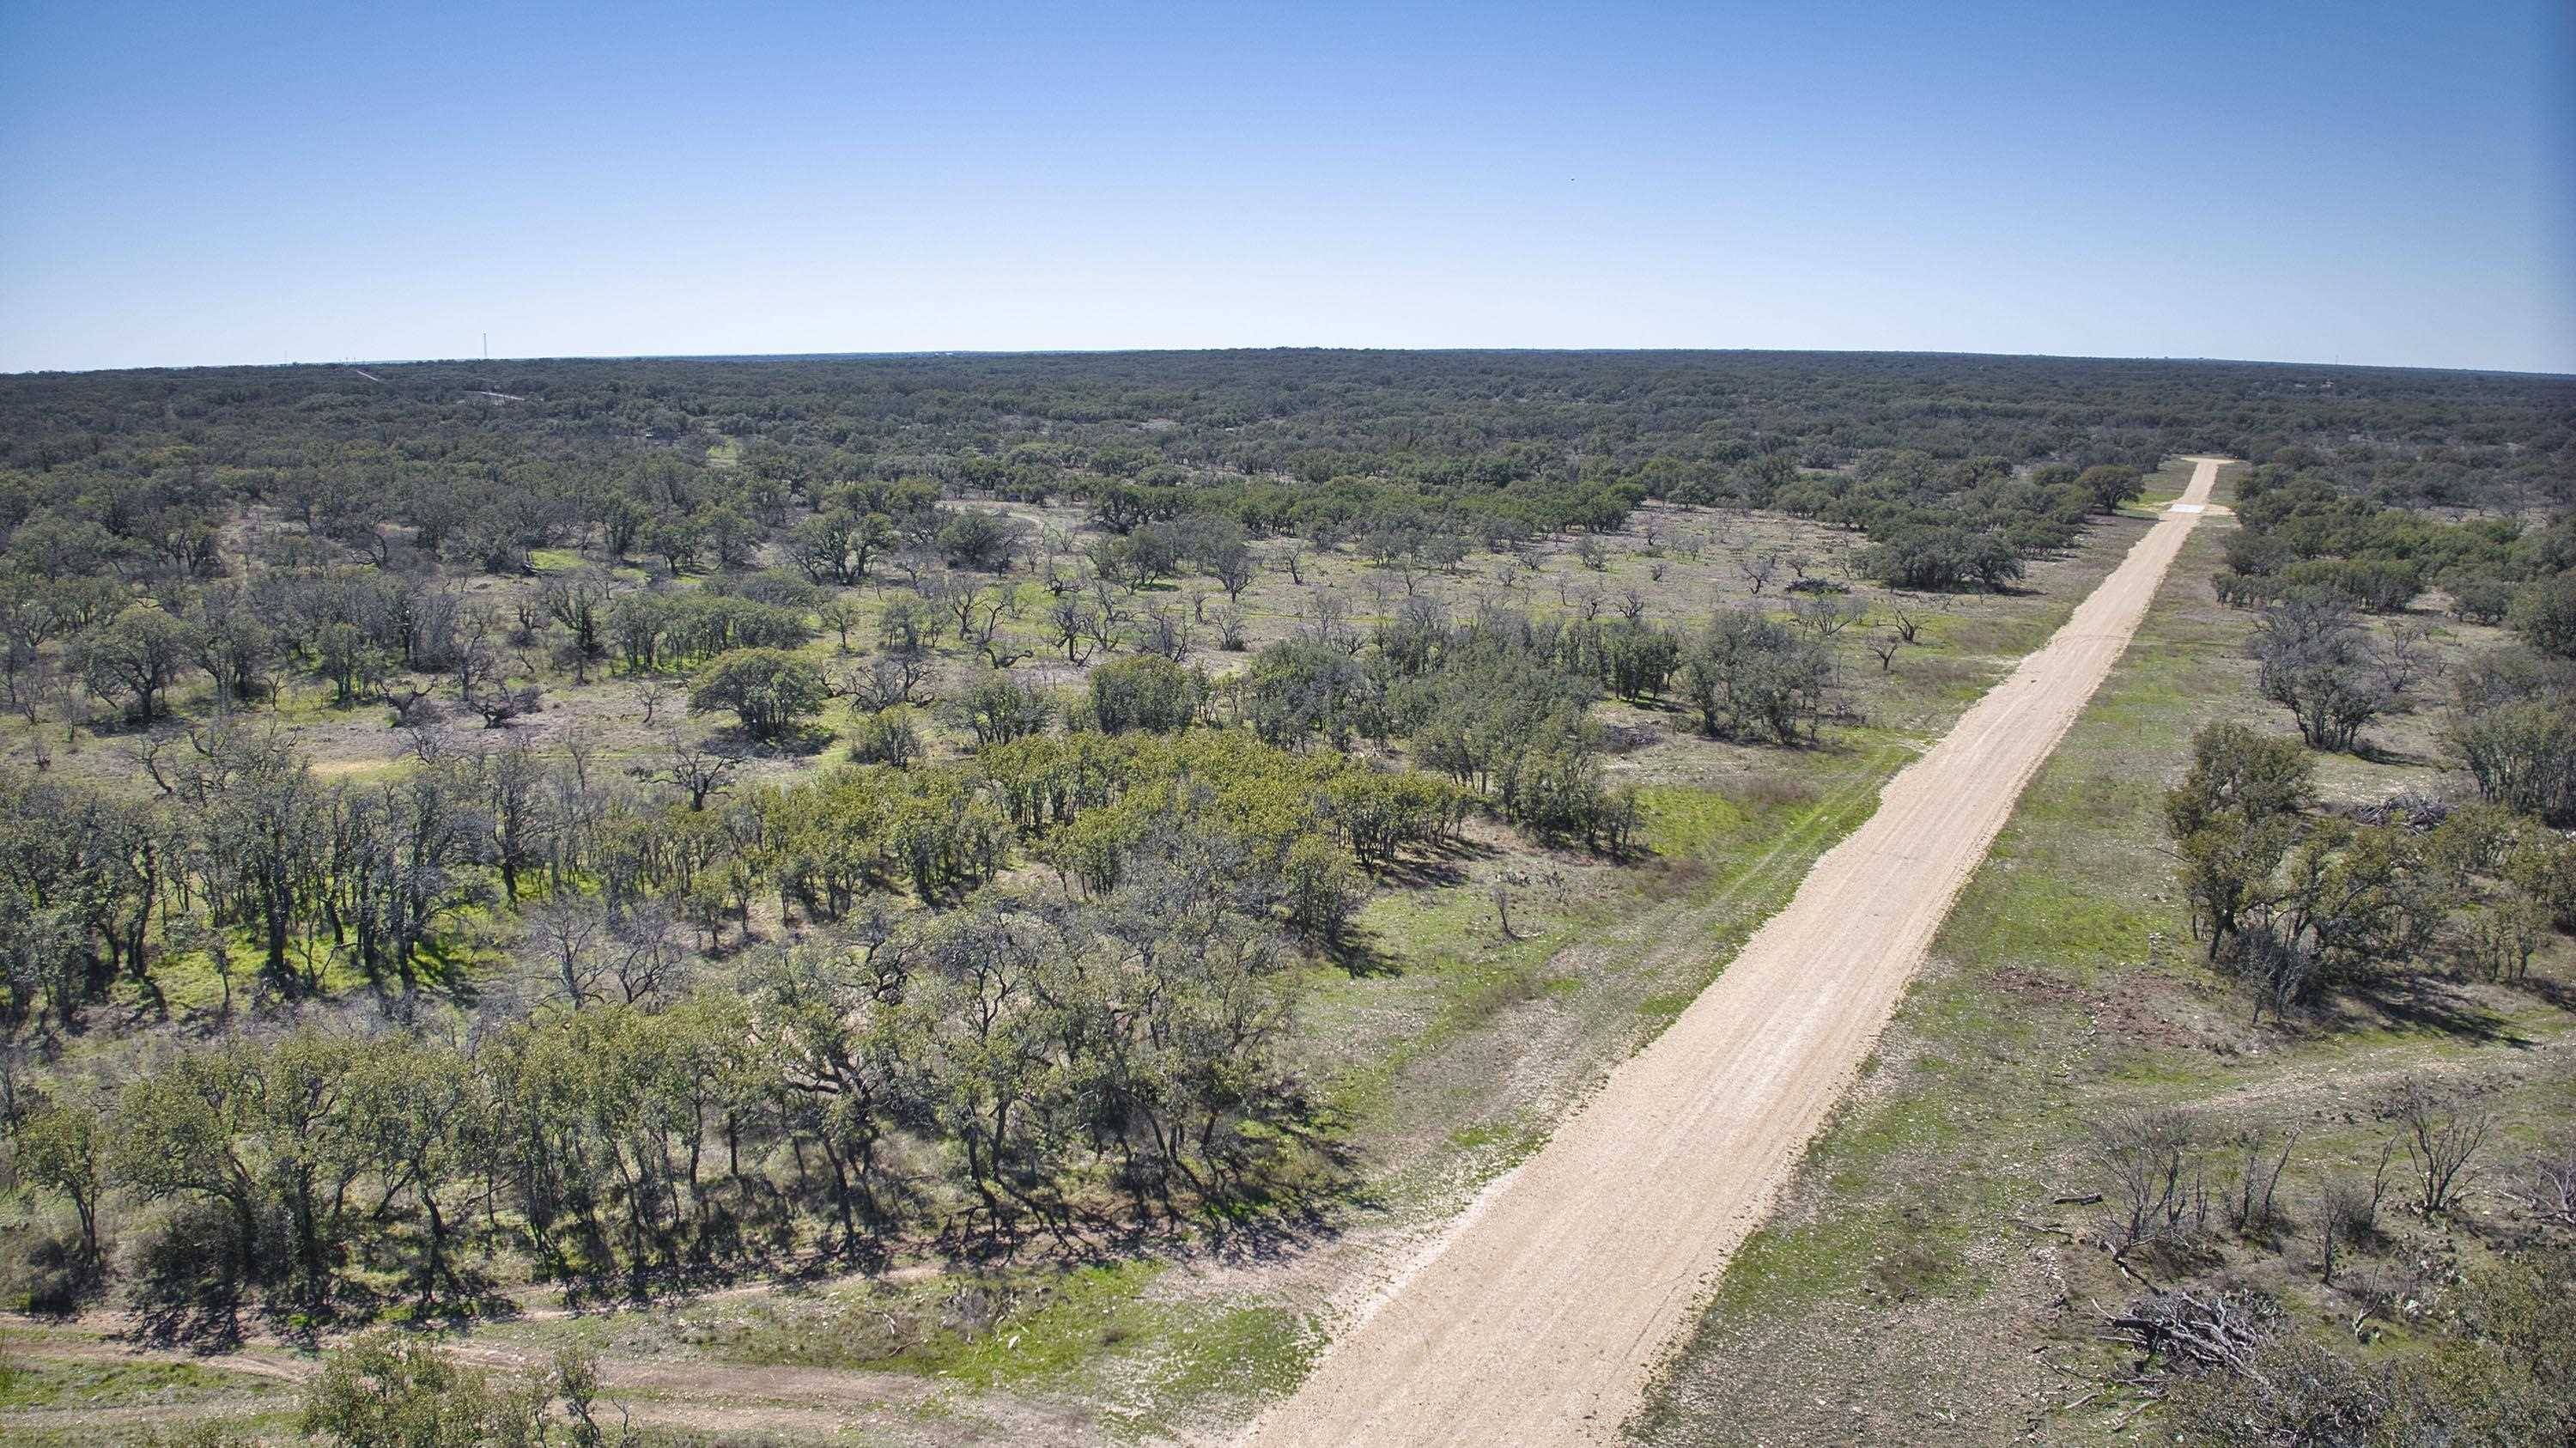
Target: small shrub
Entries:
(887, 738)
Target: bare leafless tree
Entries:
(962, 600)
(1759, 568)
(562, 941)
(2146, 1160)
(698, 767)
(2405, 657)
(2317, 661)
(648, 956)
(1229, 629)
(2440, 1142)
(491, 697)
(1164, 632)
(426, 744)
(1100, 623)
(580, 744)
(2258, 1178)
(1234, 569)
(885, 682)
(411, 700)
(2552, 1188)
(1069, 620)
(1826, 617)
(651, 691)
(2347, 1214)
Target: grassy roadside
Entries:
(1916, 1283)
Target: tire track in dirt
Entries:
(1540, 1318)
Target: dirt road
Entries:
(1539, 1319)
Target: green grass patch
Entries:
(45, 1383)
(1682, 821)
(1098, 1333)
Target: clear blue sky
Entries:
(247, 182)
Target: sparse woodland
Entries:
(629, 825)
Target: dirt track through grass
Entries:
(1540, 1320)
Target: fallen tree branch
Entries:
(2149, 1401)
(2215, 1331)
(2030, 1226)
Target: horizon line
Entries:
(911, 352)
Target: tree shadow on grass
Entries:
(1277, 1190)
(1441, 864)
(187, 1282)
(2418, 1000)
(1300, 1217)
(2371, 753)
(466, 1294)
(446, 971)
(1358, 953)
(471, 1296)
(2555, 992)
(803, 741)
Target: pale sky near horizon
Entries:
(2359, 182)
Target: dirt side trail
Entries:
(1539, 1320)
